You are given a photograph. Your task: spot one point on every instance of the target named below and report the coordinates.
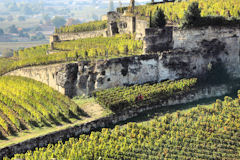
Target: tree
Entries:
(58, 21)
(192, 16)
(1, 31)
(23, 34)
(159, 19)
(12, 29)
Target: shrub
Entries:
(192, 16)
(159, 19)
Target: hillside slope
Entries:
(76, 50)
(175, 11)
(202, 133)
(26, 104)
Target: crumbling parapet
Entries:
(121, 24)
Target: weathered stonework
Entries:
(63, 135)
(193, 52)
(81, 35)
(61, 77)
(158, 40)
(212, 40)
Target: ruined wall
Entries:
(127, 24)
(157, 40)
(61, 77)
(109, 121)
(212, 41)
(85, 77)
(208, 48)
(141, 26)
(80, 35)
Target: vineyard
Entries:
(202, 133)
(175, 11)
(26, 103)
(90, 26)
(83, 49)
(120, 98)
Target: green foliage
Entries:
(158, 20)
(192, 16)
(73, 51)
(26, 103)
(12, 29)
(90, 26)
(174, 11)
(120, 98)
(202, 133)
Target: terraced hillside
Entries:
(120, 98)
(205, 132)
(27, 104)
(175, 11)
(83, 49)
(84, 27)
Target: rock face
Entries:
(212, 41)
(61, 77)
(193, 54)
(157, 40)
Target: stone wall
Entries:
(141, 26)
(157, 40)
(81, 35)
(61, 77)
(85, 77)
(109, 121)
(127, 24)
(212, 40)
(191, 57)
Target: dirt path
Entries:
(93, 110)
